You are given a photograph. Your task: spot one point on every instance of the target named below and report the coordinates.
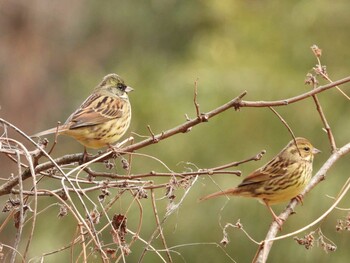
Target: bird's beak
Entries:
(315, 151)
(128, 89)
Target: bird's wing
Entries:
(273, 169)
(95, 110)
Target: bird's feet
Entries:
(85, 156)
(115, 149)
(299, 198)
(279, 221)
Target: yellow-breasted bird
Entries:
(281, 179)
(102, 118)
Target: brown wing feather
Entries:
(95, 110)
(263, 174)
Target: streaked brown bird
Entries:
(281, 179)
(102, 118)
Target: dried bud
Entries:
(316, 50)
(63, 211)
(310, 79)
(95, 216)
(109, 165)
(125, 164)
(224, 241)
(63, 194)
(120, 229)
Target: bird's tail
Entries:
(46, 132)
(231, 191)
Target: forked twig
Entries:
(321, 70)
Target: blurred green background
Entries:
(52, 54)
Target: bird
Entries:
(281, 179)
(102, 119)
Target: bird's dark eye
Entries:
(306, 148)
(121, 86)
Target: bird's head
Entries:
(301, 148)
(115, 84)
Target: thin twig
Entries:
(313, 81)
(233, 164)
(325, 123)
(20, 218)
(159, 226)
(196, 104)
(56, 136)
(287, 126)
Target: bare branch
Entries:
(233, 164)
(288, 101)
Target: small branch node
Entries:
(187, 130)
(155, 140)
(260, 155)
(238, 101)
(203, 117)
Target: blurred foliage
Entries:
(52, 53)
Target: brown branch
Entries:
(158, 174)
(183, 128)
(12, 182)
(233, 164)
(265, 247)
(288, 101)
(6, 188)
(325, 123)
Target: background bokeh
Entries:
(52, 54)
